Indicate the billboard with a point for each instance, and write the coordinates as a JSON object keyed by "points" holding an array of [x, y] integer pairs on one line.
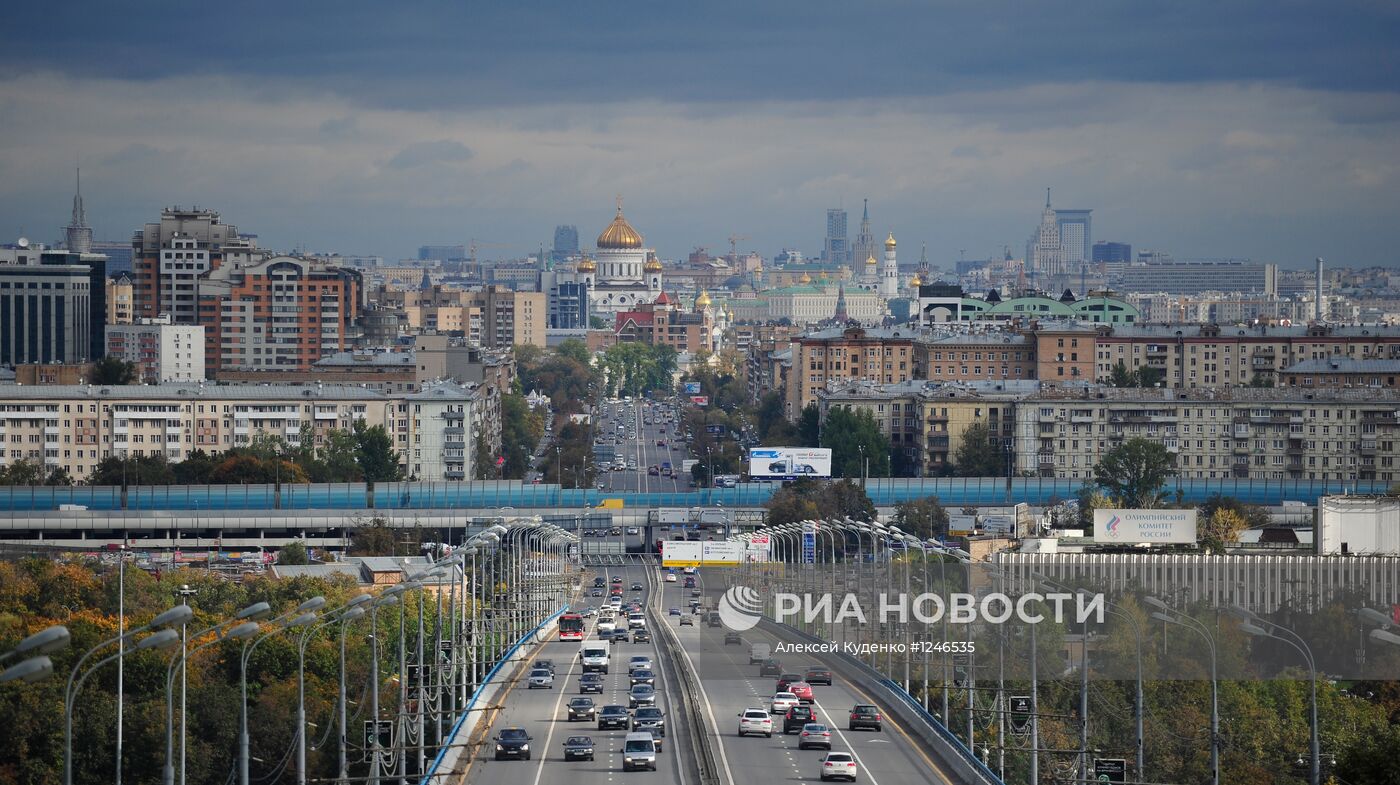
{"points": [[700, 400], [789, 462], [1150, 527], [759, 548], [688, 553], [692, 388]]}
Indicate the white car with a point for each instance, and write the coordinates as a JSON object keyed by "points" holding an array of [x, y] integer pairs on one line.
{"points": [[755, 721], [839, 765], [633, 530], [606, 625], [541, 677], [781, 702], [636, 621], [670, 577], [639, 662]]}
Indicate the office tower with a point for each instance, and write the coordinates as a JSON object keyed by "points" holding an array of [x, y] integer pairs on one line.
{"points": [[837, 249], [53, 306], [78, 233], [169, 257], [1076, 243], [441, 253], [1105, 251], [864, 248], [565, 243]]}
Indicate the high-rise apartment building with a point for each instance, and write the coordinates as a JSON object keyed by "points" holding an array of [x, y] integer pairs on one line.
{"points": [[53, 306], [509, 317], [119, 304], [277, 313], [162, 352], [842, 355], [170, 256], [837, 249]]}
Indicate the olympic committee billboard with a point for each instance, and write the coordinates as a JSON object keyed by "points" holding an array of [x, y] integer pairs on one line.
{"points": [[1145, 527], [787, 463]]}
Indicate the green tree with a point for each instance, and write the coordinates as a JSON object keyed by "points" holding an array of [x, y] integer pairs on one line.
{"points": [[1120, 376], [810, 499], [858, 448], [1254, 516], [195, 469], [374, 451], [575, 350], [132, 470], [373, 538], [22, 472], [113, 370], [293, 553], [978, 455], [1135, 472], [924, 518], [809, 426], [338, 458]]}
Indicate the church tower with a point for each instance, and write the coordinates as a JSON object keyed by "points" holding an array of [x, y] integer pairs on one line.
{"points": [[653, 273], [889, 272], [865, 242], [841, 315], [78, 233]]}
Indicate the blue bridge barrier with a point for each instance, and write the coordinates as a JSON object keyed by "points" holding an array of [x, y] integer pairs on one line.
{"points": [[505, 495]]}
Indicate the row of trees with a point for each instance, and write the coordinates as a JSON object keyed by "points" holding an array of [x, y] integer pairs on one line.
{"points": [[634, 369]]}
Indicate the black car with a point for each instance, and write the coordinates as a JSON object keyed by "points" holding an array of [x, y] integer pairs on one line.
{"points": [[512, 743], [599, 582], [796, 717], [591, 682], [786, 679], [816, 675], [864, 715], [733, 637], [640, 635], [715, 620], [578, 748], [636, 585], [582, 709], [614, 717], [619, 635], [770, 667], [650, 718], [549, 664], [643, 676]]}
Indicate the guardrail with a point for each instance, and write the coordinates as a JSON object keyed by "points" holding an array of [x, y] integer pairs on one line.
{"points": [[707, 769], [447, 756], [906, 708]]}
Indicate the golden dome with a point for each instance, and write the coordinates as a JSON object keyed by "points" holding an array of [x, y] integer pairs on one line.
{"points": [[870, 261], [703, 301], [619, 234], [586, 265], [805, 279], [916, 280], [823, 275], [653, 265], [889, 242]]}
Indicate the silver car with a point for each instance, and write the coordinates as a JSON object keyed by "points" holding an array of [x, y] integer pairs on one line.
{"points": [[541, 677], [641, 695]]}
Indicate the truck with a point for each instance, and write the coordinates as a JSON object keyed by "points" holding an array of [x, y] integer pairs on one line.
{"points": [[759, 652]]}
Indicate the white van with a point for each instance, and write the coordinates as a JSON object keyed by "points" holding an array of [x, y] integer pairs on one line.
{"points": [[759, 652], [638, 752], [595, 657]]}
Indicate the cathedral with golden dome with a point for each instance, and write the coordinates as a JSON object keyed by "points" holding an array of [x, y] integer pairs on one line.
{"points": [[622, 273]]}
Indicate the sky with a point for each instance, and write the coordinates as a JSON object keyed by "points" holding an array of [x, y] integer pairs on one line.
{"points": [[1267, 130]]}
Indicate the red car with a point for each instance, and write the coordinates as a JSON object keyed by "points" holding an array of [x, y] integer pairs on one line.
{"points": [[802, 690]]}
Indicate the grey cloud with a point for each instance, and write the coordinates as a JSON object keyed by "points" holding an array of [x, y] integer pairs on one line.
{"points": [[422, 153]]}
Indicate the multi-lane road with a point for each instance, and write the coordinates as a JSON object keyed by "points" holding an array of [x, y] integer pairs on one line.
{"points": [[635, 430], [729, 685]]}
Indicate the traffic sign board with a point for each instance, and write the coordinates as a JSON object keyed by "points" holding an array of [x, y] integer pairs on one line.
{"points": [[1110, 770]]}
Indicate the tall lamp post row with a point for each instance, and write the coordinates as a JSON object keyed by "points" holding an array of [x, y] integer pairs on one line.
{"points": [[530, 557]]}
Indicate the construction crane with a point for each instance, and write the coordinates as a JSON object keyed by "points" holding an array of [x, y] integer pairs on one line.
{"points": [[734, 247]]}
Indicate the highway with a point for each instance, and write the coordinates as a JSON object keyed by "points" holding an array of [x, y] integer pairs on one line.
{"points": [[888, 757], [643, 425], [542, 712]]}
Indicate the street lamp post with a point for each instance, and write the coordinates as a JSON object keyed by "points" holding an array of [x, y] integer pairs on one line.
{"points": [[300, 616], [1171, 616], [239, 632], [1254, 625]]}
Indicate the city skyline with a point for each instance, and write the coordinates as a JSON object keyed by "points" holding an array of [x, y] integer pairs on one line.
{"points": [[1279, 148]]}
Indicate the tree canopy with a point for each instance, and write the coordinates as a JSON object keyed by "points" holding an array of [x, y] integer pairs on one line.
{"points": [[809, 499], [977, 455], [1135, 472], [858, 448], [113, 370]]}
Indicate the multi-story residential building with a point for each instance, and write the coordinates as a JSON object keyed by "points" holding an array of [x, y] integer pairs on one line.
{"points": [[926, 420], [1341, 372], [76, 426], [385, 371], [170, 256], [120, 306], [759, 343], [972, 357], [280, 313], [442, 357], [161, 351], [510, 317], [1064, 352], [666, 322], [846, 354], [53, 306], [1216, 433], [1210, 355]]}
